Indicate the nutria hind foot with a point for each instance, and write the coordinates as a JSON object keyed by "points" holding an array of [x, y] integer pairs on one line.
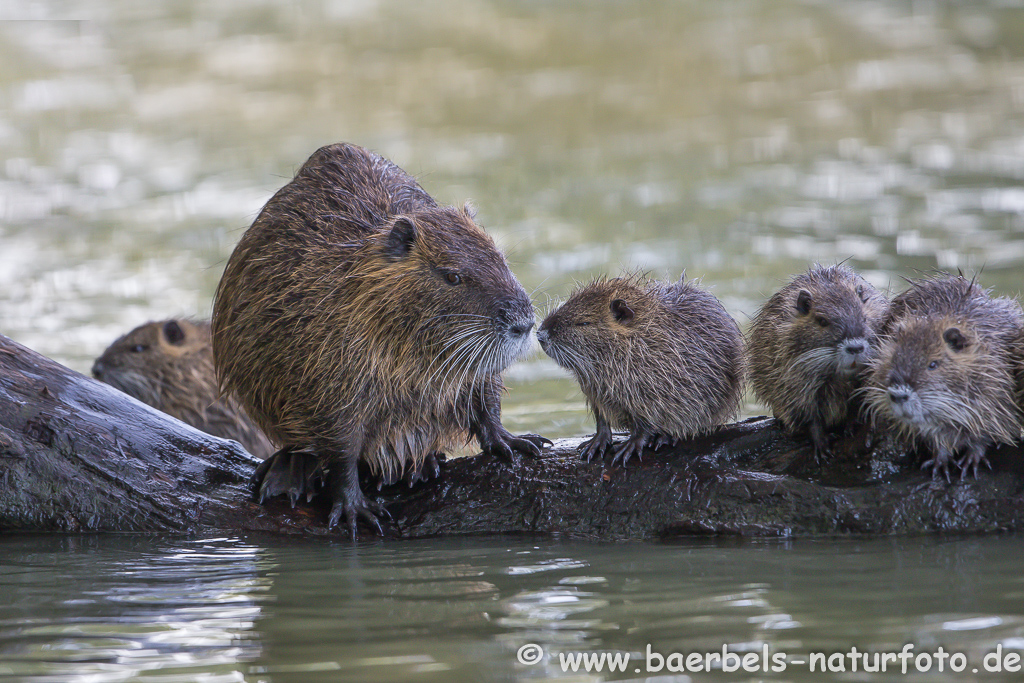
{"points": [[288, 471], [348, 501]]}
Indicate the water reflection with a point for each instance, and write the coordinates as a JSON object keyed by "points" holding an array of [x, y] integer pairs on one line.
{"points": [[86, 609], [281, 610]]}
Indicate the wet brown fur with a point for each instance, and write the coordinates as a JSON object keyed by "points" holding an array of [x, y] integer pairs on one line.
{"points": [[337, 324], [169, 366], [798, 362], [948, 354], [671, 368]]}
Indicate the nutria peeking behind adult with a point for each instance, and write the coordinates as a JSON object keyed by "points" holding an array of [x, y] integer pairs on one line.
{"points": [[357, 319], [169, 365], [945, 373], [808, 346], [663, 360]]}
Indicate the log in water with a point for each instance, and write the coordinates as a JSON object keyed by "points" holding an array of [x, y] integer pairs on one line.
{"points": [[77, 455]]}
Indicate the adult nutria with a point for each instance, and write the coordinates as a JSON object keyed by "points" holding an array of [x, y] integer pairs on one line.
{"points": [[664, 361], [808, 345], [169, 365], [358, 320], [944, 374]]}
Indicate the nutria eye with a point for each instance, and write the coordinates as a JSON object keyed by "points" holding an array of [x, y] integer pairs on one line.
{"points": [[582, 324], [138, 348], [934, 364], [823, 321], [452, 278]]}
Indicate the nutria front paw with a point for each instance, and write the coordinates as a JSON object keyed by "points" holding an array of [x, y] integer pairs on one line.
{"points": [[819, 442], [504, 443], [971, 461], [595, 446], [939, 464], [369, 511], [634, 445]]}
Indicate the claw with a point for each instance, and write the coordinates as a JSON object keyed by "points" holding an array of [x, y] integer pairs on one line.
{"points": [[429, 469], [595, 446], [525, 446], [289, 472], [661, 440], [504, 443], [937, 465], [971, 461], [537, 440], [633, 445], [819, 441], [367, 510]]}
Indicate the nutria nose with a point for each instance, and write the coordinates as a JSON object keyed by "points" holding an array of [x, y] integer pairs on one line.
{"points": [[543, 336], [97, 369], [855, 347], [898, 395], [520, 329]]}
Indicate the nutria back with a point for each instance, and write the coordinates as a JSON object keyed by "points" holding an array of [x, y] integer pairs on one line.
{"points": [[809, 344], [946, 374], [169, 366], [649, 354], [357, 314]]}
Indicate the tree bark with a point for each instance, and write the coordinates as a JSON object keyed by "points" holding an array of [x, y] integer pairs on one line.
{"points": [[77, 455]]}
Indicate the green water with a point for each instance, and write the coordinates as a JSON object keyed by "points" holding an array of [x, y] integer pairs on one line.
{"points": [[739, 141]]}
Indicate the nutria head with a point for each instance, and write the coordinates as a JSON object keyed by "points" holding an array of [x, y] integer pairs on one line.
{"points": [[151, 360], [599, 324], [442, 290], [937, 378], [827, 321]]}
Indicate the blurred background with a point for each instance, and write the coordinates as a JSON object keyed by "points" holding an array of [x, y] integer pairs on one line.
{"points": [[739, 141]]}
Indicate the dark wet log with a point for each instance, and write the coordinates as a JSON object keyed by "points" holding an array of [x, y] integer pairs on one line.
{"points": [[77, 455]]}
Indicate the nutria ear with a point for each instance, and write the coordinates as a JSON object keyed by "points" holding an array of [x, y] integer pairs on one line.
{"points": [[400, 239], [863, 294], [956, 340], [622, 312], [803, 302], [173, 332]]}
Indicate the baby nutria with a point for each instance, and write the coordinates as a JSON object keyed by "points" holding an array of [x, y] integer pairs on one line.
{"points": [[808, 346], [664, 361], [358, 320], [169, 365], [944, 374]]}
